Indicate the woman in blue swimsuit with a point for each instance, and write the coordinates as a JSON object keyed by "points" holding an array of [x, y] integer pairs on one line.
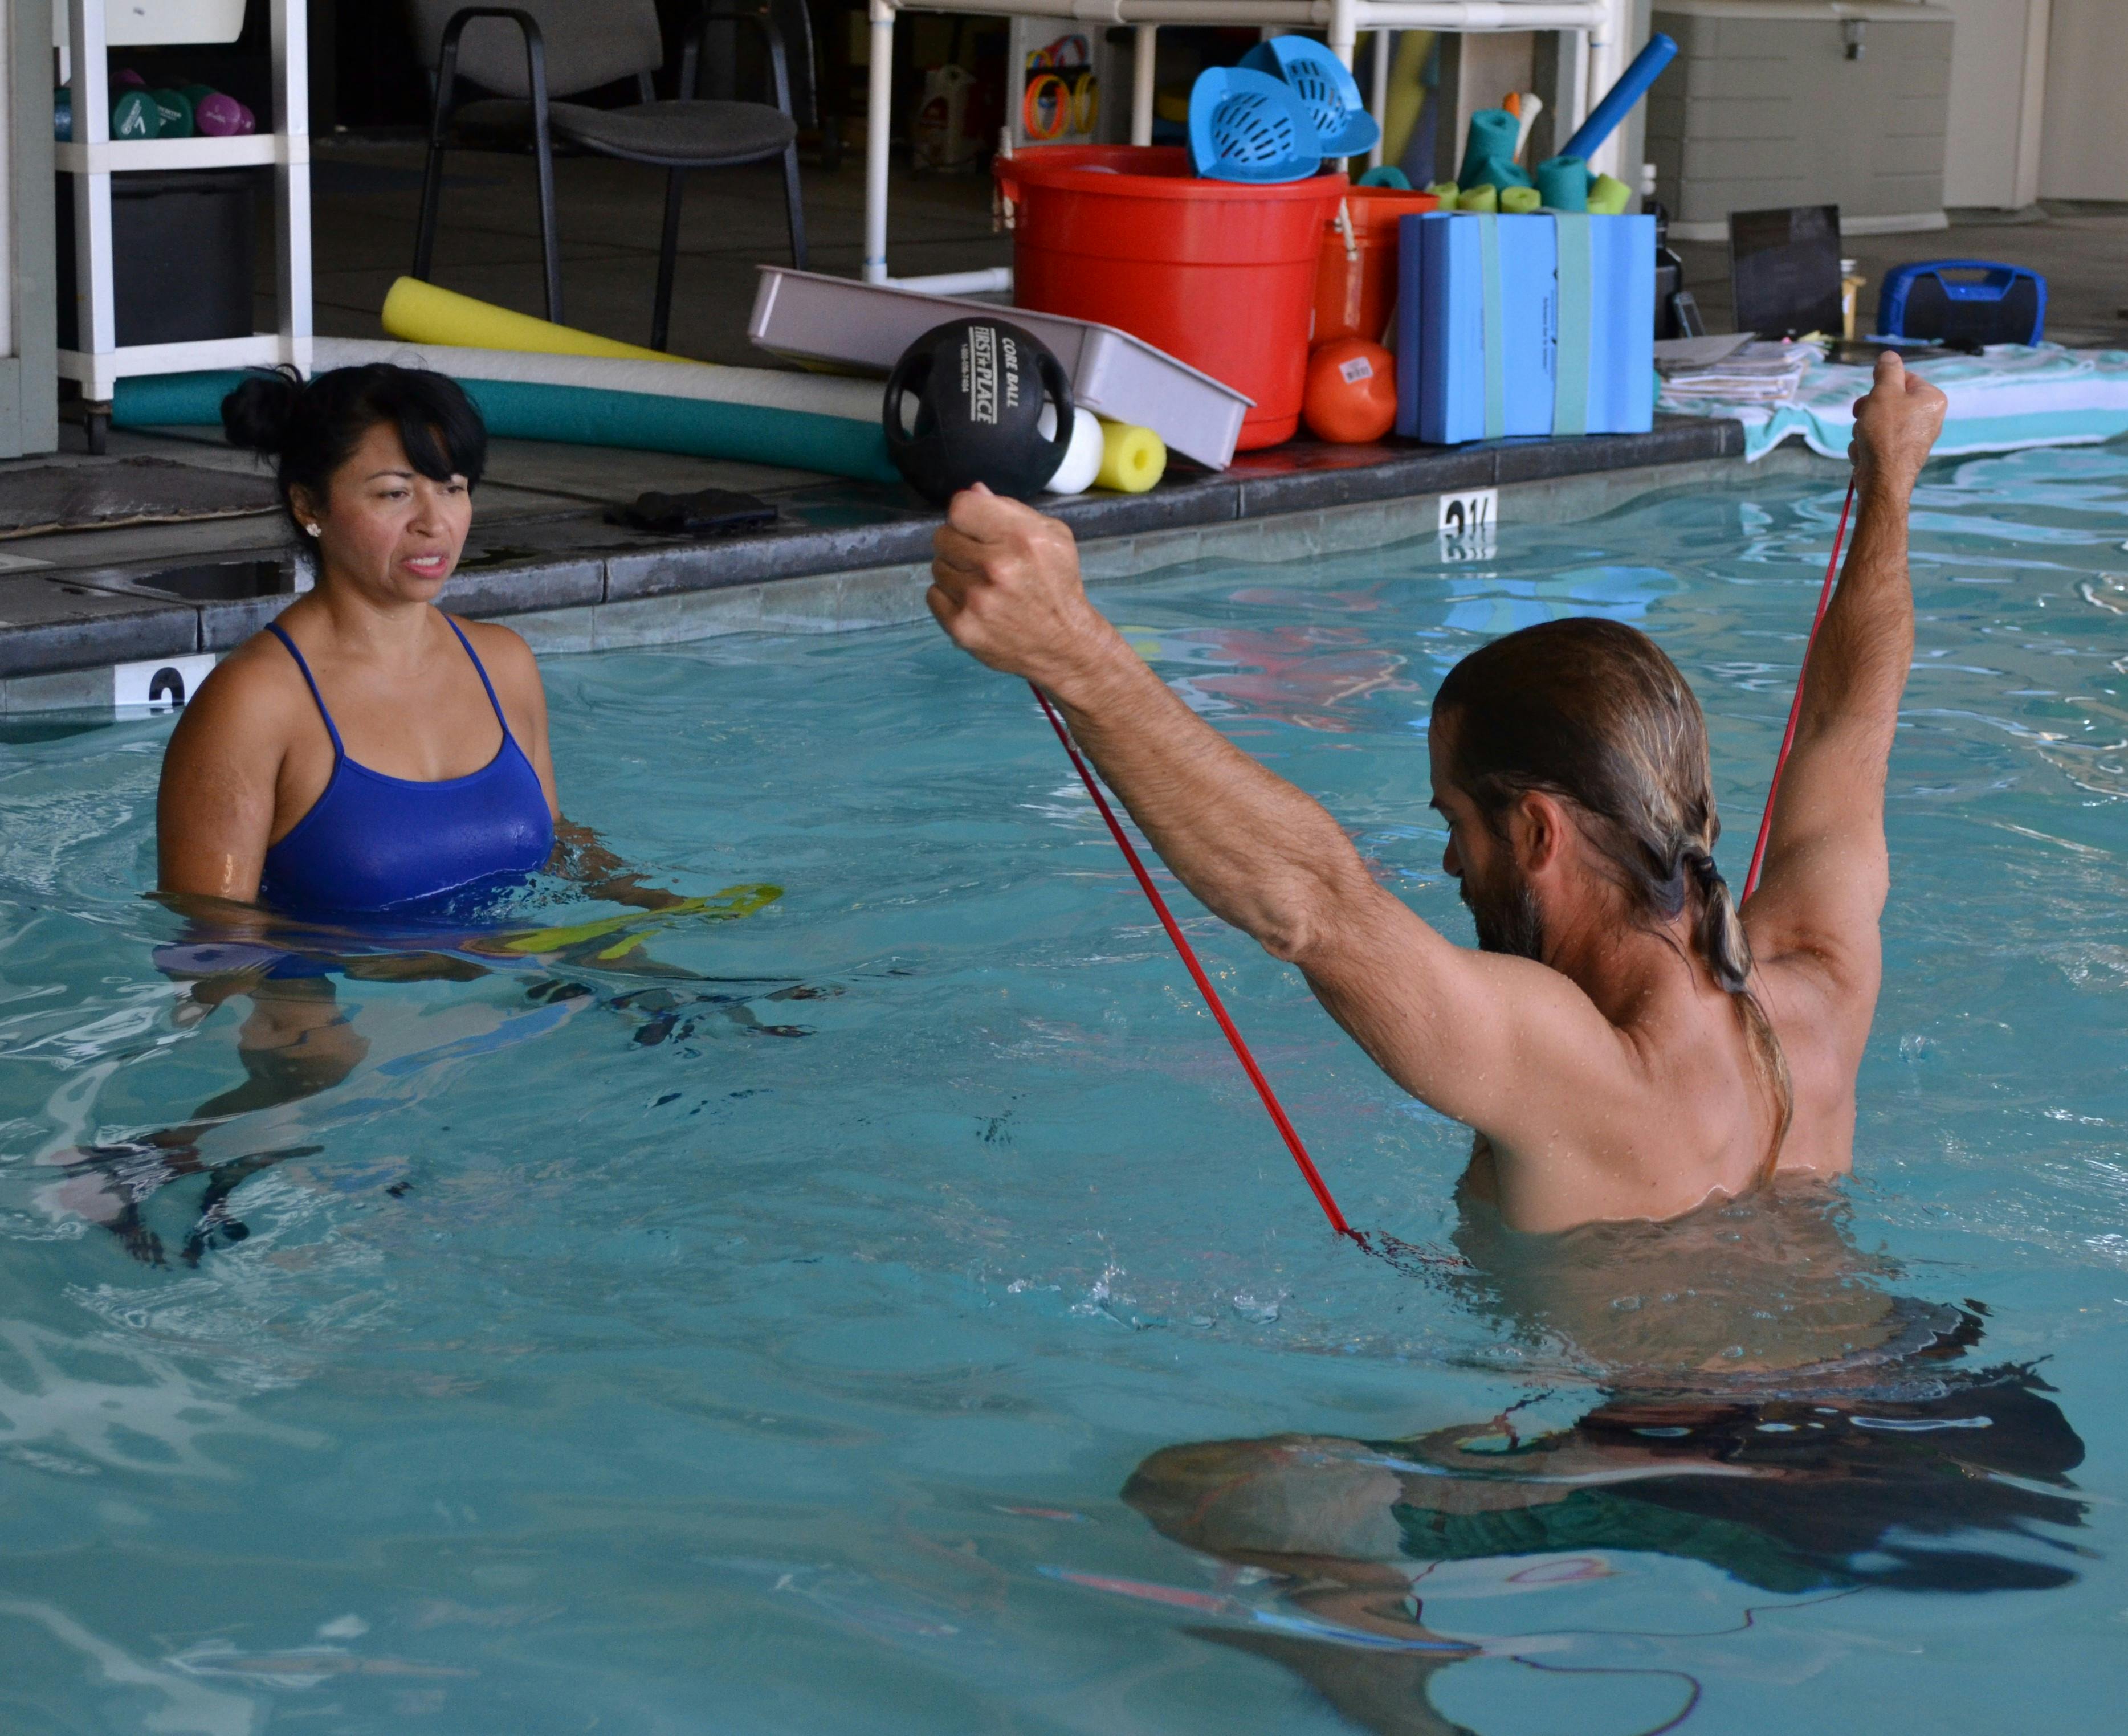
{"points": [[366, 754]]}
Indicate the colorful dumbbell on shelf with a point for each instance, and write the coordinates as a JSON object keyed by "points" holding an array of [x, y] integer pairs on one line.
{"points": [[181, 112], [217, 116]]}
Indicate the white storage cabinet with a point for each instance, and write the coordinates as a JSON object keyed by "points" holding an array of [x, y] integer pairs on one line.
{"points": [[92, 28], [1779, 102]]}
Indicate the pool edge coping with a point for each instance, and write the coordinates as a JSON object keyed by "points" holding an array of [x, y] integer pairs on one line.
{"points": [[1123, 539]]}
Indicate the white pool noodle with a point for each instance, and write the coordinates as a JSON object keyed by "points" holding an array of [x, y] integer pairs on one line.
{"points": [[1532, 106], [765, 388], [1082, 461]]}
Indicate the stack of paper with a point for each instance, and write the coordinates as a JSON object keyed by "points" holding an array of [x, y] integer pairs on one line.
{"points": [[1735, 370]]}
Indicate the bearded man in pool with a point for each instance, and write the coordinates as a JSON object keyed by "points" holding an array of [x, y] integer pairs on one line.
{"points": [[1624, 1043]]}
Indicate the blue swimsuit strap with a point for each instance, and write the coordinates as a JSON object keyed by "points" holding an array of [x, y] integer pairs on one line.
{"points": [[480, 669], [333, 730], [310, 681]]}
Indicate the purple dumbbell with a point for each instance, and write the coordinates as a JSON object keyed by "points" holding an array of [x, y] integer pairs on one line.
{"points": [[219, 116]]}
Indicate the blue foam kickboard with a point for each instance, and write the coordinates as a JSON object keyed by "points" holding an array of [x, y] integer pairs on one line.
{"points": [[1443, 336]]}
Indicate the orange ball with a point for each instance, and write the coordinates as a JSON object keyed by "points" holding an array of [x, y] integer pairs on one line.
{"points": [[1351, 391]]}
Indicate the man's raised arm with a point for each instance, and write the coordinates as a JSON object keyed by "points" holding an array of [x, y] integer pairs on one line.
{"points": [[1257, 851], [1826, 873]]}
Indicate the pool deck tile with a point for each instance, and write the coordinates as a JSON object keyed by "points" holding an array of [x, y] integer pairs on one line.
{"points": [[1194, 497], [513, 590], [48, 624], [224, 626], [559, 631], [580, 533], [1339, 476], [891, 598], [784, 551], [840, 554], [1674, 440], [678, 616], [65, 689], [219, 625]]}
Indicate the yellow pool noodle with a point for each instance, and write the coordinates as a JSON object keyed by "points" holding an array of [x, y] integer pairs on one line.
{"points": [[1133, 459], [1406, 91], [1607, 196], [1484, 197], [421, 313], [623, 933], [1520, 200]]}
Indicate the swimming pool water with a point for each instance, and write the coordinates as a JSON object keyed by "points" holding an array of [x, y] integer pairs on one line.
{"points": [[668, 1358]]}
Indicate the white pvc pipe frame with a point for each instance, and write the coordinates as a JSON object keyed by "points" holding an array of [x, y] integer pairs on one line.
{"points": [[1598, 28], [98, 361]]}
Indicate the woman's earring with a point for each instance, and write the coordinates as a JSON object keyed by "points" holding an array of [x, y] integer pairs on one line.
{"points": [[312, 528]]}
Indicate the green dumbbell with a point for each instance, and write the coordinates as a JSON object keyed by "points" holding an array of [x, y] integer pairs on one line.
{"points": [[175, 109], [137, 115]]}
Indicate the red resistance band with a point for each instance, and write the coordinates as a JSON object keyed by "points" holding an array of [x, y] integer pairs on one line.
{"points": [[1795, 708], [1271, 1103]]}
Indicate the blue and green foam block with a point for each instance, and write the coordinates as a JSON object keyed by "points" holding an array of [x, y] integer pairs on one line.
{"points": [[1537, 325]]}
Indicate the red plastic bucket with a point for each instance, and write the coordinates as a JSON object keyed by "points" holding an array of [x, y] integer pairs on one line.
{"points": [[1356, 291], [1219, 274]]}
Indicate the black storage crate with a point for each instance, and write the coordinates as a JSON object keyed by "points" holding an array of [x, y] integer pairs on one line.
{"points": [[184, 250]]}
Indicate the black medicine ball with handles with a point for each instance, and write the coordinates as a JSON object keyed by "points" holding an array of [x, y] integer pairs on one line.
{"points": [[978, 387]]}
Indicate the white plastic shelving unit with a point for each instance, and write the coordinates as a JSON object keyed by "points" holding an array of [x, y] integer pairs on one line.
{"points": [[1596, 30], [94, 157]]}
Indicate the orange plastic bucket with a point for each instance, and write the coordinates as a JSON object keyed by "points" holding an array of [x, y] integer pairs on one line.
{"points": [[1219, 274], [1356, 287]]}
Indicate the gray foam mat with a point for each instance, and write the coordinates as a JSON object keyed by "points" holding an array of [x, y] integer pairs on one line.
{"points": [[51, 497]]}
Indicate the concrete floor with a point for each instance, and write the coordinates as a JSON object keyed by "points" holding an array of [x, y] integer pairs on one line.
{"points": [[2080, 249], [366, 192]]}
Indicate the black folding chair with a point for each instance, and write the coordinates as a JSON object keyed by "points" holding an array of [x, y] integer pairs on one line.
{"points": [[537, 51]]}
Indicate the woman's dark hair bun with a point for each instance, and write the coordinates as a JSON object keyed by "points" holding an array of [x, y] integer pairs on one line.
{"points": [[256, 415], [310, 429]]}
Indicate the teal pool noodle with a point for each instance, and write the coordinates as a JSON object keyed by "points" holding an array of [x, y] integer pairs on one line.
{"points": [[173, 401], [1489, 151], [1563, 181], [579, 415], [582, 416]]}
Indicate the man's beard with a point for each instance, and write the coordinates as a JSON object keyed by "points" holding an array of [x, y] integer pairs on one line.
{"points": [[1507, 916]]}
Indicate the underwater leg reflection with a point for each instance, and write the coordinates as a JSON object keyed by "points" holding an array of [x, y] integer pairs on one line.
{"points": [[299, 1040], [1802, 1493], [295, 1041]]}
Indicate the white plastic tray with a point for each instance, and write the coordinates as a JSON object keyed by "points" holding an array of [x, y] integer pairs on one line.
{"points": [[812, 318], [137, 23]]}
